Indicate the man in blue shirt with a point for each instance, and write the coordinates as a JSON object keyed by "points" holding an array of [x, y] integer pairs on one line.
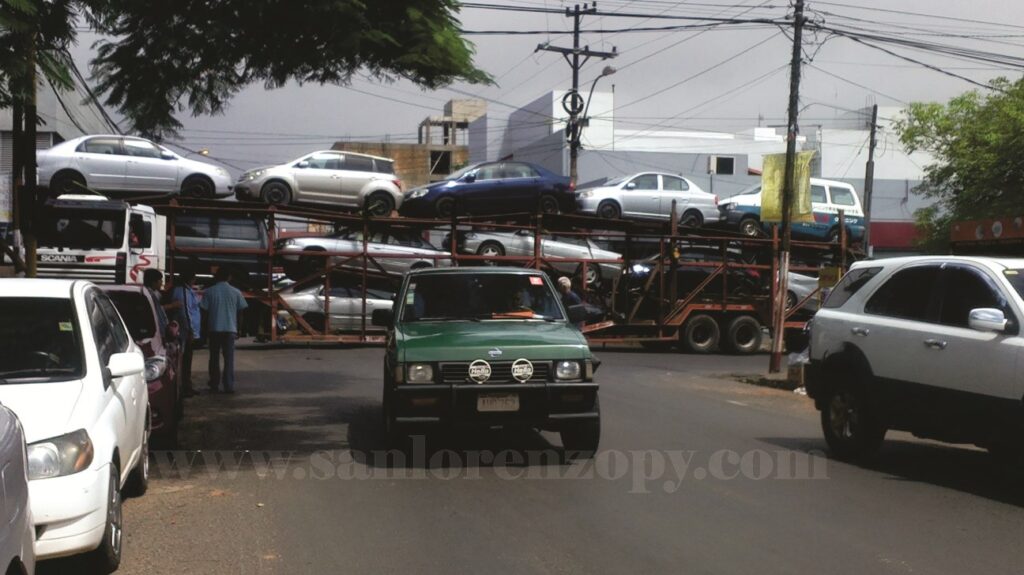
{"points": [[190, 319], [223, 304]]}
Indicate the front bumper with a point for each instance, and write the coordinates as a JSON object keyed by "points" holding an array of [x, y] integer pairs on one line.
{"points": [[70, 512], [244, 191]]}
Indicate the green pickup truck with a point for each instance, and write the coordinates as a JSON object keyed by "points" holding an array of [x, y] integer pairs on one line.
{"points": [[486, 347]]}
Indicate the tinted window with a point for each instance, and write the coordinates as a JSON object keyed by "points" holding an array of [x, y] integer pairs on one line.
{"points": [[818, 195], [141, 232], [674, 184], [101, 146], [907, 294], [192, 226], [646, 182], [238, 229], [82, 228], [117, 330], [384, 166], [101, 331], [137, 312], [358, 163], [843, 197], [39, 339], [967, 289], [849, 285], [141, 149]]}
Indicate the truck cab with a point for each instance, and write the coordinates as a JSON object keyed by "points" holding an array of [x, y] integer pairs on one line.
{"points": [[104, 241]]}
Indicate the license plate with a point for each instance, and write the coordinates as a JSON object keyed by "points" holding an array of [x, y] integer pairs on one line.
{"points": [[495, 402]]}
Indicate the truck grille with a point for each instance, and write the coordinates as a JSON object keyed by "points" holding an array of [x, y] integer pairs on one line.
{"points": [[501, 371]]}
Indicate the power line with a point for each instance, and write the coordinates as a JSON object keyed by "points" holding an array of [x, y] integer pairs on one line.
{"points": [[861, 86]]}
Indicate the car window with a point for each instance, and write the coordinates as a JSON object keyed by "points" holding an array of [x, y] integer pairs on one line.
{"points": [[843, 197], [238, 229], [516, 170], [39, 338], [674, 184], [966, 289], [645, 182], [324, 161], [907, 294], [818, 194], [489, 172], [67, 227], [101, 146], [407, 240], [141, 148], [117, 329], [340, 292], [102, 330], [357, 163], [384, 166], [491, 296], [137, 312], [192, 226], [141, 232], [849, 285]]}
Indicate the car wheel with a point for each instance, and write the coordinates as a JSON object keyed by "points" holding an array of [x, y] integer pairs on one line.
{"points": [[107, 557], [277, 194], [700, 334], [197, 187], [609, 210], [581, 440], [750, 227], [833, 236], [67, 182], [445, 207], [851, 428], [380, 204], [691, 219], [491, 250], [743, 335], [791, 300], [138, 479], [592, 275], [548, 204]]}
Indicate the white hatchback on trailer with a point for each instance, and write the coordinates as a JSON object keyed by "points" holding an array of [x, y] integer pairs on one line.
{"points": [[72, 374]]}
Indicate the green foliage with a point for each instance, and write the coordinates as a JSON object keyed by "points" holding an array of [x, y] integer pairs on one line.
{"points": [[979, 169], [49, 25]]}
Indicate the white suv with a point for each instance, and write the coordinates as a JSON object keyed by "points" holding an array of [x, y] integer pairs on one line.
{"points": [[930, 345], [72, 374]]}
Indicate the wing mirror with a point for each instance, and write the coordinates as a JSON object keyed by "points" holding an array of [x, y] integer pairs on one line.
{"points": [[630, 186], [987, 319], [122, 364], [384, 317], [577, 313], [167, 155], [303, 164]]}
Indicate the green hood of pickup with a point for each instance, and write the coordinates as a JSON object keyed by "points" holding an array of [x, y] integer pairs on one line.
{"points": [[466, 341]]}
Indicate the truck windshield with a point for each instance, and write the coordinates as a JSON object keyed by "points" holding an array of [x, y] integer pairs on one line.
{"points": [[99, 229], [475, 297], [38, 340]]}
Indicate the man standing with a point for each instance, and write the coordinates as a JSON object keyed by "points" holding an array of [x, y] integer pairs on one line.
{"points": [[223, 303], [190, 320]]}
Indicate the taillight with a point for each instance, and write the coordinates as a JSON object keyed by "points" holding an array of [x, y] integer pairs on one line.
{"points": [[716, 199], [572, 186], [398, 183]]}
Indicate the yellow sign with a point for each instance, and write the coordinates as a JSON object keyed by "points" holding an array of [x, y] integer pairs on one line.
{"points": [[772, 176]]}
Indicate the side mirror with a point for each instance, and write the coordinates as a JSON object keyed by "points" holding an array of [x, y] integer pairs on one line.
{"points": [[122, 364], [469, 178], [987, 319], [630, 186], [577, 313], [173, 330], [303, 164], [384, 317], [167, 155]]}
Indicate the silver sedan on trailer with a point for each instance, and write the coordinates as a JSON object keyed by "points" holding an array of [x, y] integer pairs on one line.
{"points": [[396, 251], [346, 306], [520, 243], [649, 196]]}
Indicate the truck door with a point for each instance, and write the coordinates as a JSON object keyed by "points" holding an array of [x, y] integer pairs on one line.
{"points": [[142, 253]]}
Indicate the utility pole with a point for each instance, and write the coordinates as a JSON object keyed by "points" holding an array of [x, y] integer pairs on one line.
{"points": [[779, 305], [573, 102], [869, 180], [28, 207]]}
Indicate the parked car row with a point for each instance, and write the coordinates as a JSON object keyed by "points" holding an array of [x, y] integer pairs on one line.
{"points": [[90, 378]]}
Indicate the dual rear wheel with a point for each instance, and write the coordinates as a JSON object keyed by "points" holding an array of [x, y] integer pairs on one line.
{"points": [[702, 333]]}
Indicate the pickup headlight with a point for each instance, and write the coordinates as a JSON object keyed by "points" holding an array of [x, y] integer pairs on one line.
{"points": [[419, 373], [155, 367], [60, 456], [417, 193], [567, 370]]}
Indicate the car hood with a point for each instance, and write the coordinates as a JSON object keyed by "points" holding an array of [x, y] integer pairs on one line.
{"points": [[466, 340], [45, 409]]}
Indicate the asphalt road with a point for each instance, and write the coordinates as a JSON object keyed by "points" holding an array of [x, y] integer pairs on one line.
{"points": [[697, 473]]}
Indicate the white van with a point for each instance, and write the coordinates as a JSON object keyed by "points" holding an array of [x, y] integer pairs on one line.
{"points": [[828, 197]]}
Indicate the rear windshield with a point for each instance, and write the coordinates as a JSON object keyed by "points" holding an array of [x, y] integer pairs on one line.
{"points": [[385, 166], [849, 285], [82, 229], [39, 340], [136, 311], [451, 297]]}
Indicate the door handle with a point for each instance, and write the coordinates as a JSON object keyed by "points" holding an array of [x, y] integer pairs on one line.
{"points": [[861, 331], [935, 344]]}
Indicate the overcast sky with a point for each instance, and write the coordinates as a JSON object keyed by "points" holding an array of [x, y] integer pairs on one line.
{"points": [[728, 97]]}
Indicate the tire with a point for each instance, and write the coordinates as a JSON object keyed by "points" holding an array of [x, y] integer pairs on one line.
{"points": [[609, 210], [700, 334], [379, 204], [833, 236], [444, 207], [750, 227], [138, 479], [852, 430], [548, 204], [107, 557], [592, 275], [581, 440], [791, 300], [276, 194], [67, 182], [490, 249], [743, 335], [198, 187], [691, 219]]}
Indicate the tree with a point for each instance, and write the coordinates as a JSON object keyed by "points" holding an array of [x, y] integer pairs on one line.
{"points": [[979, 168]]}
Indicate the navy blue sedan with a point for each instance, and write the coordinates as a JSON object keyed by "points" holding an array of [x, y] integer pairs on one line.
{"points": [[492, 188]]}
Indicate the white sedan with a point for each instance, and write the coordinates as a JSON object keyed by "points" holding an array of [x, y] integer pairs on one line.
{"points": [[17, 537], [125, 165], [71, 372]]}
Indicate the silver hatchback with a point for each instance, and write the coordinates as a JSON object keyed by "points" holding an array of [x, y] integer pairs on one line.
{"points": [[649, 196], [332, 177]]}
